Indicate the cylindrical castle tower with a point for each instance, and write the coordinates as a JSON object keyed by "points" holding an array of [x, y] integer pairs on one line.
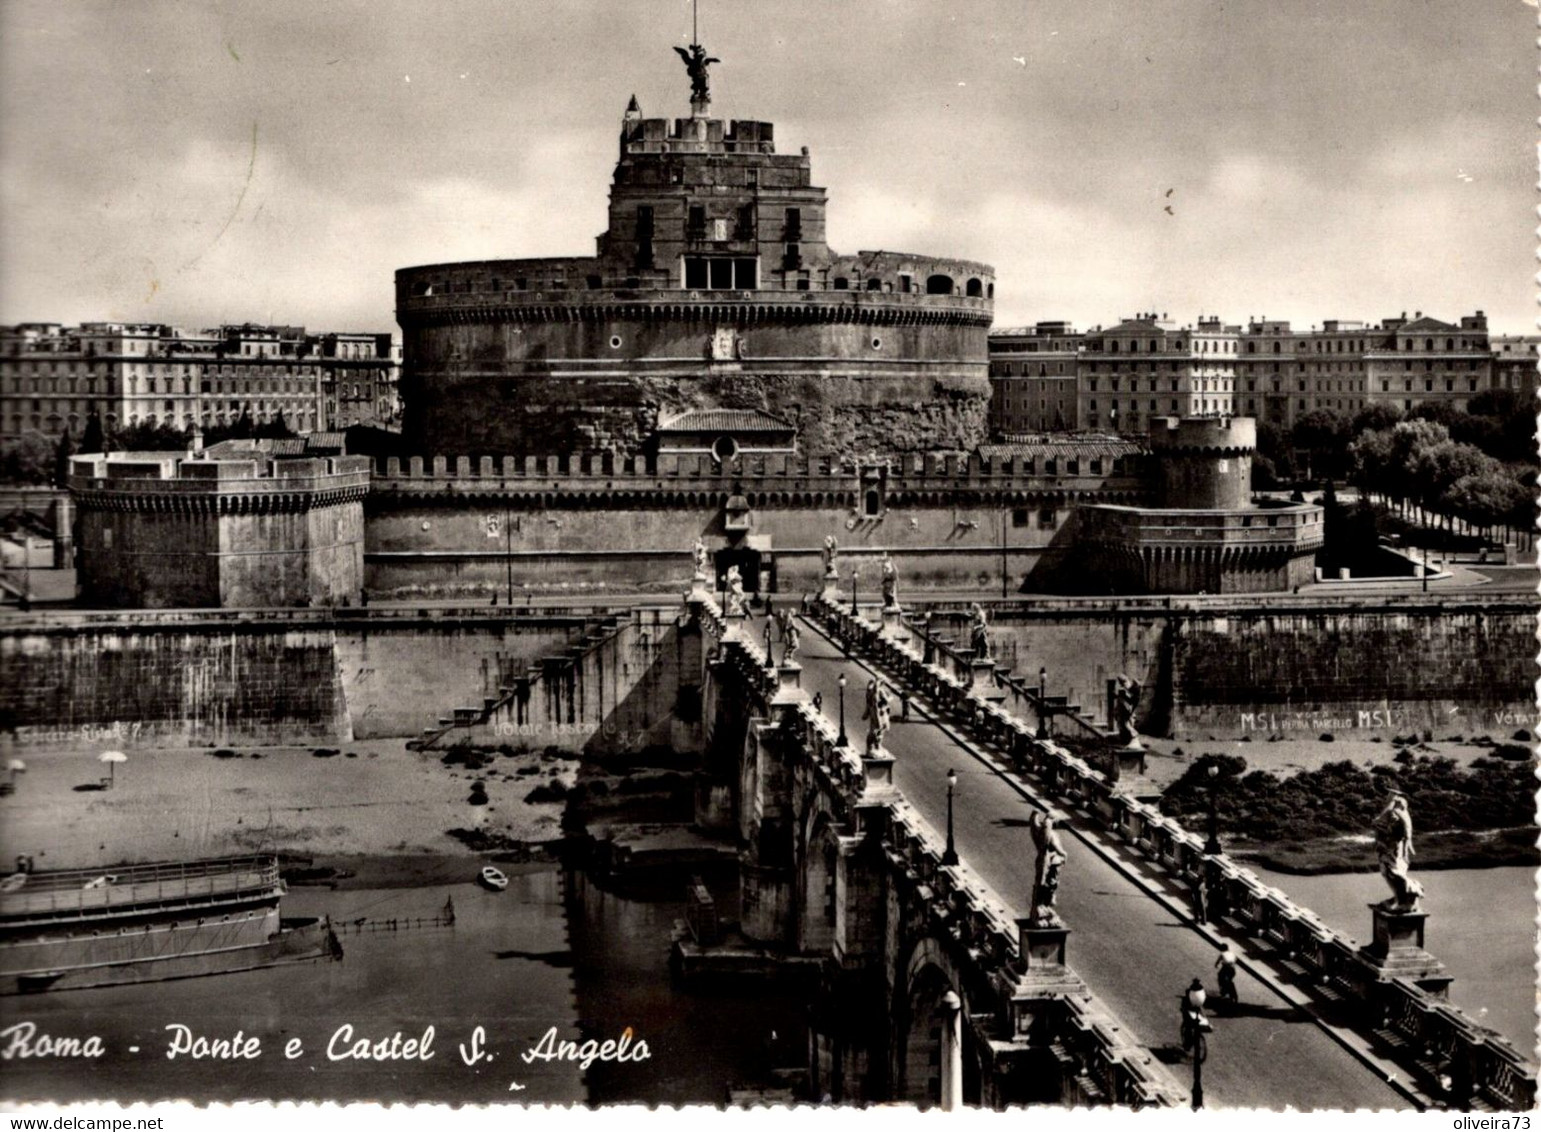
{"points": [[713, 286], [1204, 462]]}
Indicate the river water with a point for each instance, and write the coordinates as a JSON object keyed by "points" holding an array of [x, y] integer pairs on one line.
{"points": [[509, 964], [1482, 926]]}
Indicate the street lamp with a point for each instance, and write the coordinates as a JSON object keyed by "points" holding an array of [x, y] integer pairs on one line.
{"points": [[855, 609], [1195, 1000], [950, 857], [842, 741], [1212, 845], [1045, 717]]}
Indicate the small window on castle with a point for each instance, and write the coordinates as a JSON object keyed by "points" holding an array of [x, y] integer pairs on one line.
{"points": [[874, 284], [794, 229], [804, 283], [521, 284], [990, 291], [695, 273], [722, 274], [906, 283], [1047, 517], [695, 223], [746, 274], [975, 289], [594, 282], [841, 283]]}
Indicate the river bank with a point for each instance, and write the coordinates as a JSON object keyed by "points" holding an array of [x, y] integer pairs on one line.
{"points": [[374, 800]]}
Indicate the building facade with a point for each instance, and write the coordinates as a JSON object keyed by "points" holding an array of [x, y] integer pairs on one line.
{"points": [[712, 287], [54, 377], [1148, 367], [1033, 375]]}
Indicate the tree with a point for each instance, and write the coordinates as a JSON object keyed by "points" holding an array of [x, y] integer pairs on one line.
{"points": [[1438, 467], [1484, 498], [144, 437], [94, 439], [62, 453], [1375, 418], [1276, 453], [27, 459], [1324, 435]]}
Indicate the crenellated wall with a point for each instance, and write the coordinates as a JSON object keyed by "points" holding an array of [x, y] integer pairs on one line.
{"points": [[629, 525]]}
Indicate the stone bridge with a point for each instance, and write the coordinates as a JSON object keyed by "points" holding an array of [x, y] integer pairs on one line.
{"points": [[932, 985]]}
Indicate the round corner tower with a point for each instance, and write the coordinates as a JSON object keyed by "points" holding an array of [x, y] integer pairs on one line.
{"points": [[712, 287], [1204, 463]]}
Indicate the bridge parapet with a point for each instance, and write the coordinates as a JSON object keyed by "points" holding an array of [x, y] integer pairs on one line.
{"points": [[839, 866], [1458, 1062]]}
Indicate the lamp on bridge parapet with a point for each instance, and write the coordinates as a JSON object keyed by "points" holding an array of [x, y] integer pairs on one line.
{"points": [[1196, 1024], [1212, 843], [855, 609], [842, 741], [1045, 717], [950, 857]]}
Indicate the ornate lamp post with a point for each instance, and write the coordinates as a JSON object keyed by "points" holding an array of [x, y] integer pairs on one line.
{"points": [[855, 609], [1045, 717], [842, 741], [1212, 845], [950, 857], [1195, 999]]}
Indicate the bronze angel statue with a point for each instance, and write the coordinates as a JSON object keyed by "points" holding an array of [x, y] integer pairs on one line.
{"points": [[696, 62]]}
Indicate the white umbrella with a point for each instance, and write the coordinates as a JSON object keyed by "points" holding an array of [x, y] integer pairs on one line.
{"points": [[112, 758]]}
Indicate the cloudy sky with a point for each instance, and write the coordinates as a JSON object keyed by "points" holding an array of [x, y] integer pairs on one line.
{"points": [[190, 161]]}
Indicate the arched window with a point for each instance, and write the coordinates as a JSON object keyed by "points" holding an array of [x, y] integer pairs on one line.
{"points": [[990, 291], [939, 285], [974, 289], [874, 284], [842, 283]]}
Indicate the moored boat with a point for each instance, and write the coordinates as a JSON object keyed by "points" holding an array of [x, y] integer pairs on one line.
{"points": [[77, 928]]}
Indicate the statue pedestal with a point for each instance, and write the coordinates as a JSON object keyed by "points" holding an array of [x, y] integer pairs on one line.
{"points": [[893, 622], [1397, 952], [1045, 978], [789, 678], [982, 679], [829, 589], [1126, 769]]}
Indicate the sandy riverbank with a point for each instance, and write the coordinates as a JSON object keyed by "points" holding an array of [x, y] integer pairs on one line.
{"points": [[372, 799]]}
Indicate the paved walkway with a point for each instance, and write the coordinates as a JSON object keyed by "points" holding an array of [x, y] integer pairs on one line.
{"points": [[1130, 950]]}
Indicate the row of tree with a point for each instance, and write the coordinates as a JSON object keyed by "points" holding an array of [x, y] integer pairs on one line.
{"points": [[1478, 465], [34, 458], [1501, 423]]}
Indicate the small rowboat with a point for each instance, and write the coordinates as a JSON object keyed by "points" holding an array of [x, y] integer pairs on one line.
{"points": [[493, 879]]}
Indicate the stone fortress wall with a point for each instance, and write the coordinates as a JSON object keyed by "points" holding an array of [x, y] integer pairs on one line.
{"points": [[607, 523]]}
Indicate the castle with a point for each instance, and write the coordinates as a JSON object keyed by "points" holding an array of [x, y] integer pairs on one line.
{"points": [[712, 288], [717, 372]]}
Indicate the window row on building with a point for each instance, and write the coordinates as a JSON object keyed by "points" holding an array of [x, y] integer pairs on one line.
{"points": [[1050, 377], [54, 377]]}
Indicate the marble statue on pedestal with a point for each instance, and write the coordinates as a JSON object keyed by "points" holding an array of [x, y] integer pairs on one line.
{"points": [[979, 633], [1051, 858], [878, 714], [890, 583], [831, 554], [1394, 847], [1126, 697], [700, 560], [736, 598]]}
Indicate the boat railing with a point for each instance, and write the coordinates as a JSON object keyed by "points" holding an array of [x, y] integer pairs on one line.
{"points": [[125, 888]]}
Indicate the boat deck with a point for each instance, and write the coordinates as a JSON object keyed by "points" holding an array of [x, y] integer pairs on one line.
{"points": [[133, 890]]}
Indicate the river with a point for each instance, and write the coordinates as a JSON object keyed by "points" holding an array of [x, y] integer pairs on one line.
{"points": [[1482, 926], [510, 964]]}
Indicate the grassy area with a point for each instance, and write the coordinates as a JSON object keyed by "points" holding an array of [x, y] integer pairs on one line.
{"points": [[1321, 820], [1447, 849]]}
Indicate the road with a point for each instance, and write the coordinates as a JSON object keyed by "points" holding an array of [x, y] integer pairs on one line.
{"points": [[1130, 950]]}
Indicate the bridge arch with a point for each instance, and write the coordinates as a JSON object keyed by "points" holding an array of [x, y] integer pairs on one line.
{"points": [[819, 856], [924, 1014]]}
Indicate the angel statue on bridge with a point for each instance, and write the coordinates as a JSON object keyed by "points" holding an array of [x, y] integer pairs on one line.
{"points": [[700, 559], [1051, 858], [979, 633], [878, 714], [1126, 697], [890, 583], [736, 599], [831, 553], [791, 637], [1394, 847]]}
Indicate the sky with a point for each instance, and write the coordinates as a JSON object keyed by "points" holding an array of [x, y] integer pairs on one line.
{"points": [[203, 161]]}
